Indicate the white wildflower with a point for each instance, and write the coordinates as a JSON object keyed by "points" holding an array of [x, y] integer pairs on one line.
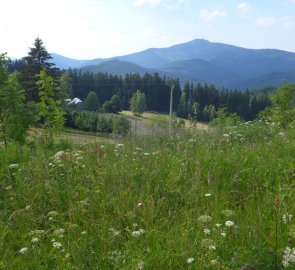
{"points": [[207, 231], [208, 194], [229, 223], [190, 260], [204, 218], [119, 145], [35, 240], [84, 232], [218, 225], [140, 265], [13, 166], [223, 234], [212, 247], [23, 250], [57, 245], [135, 234], [288, 257], [287, 218], [59, 154]]}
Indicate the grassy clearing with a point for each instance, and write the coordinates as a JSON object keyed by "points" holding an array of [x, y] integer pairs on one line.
{"points": [[155, 124], [212, 200]]}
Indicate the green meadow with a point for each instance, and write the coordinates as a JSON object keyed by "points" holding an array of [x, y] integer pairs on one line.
{"points": [[221, 198]]}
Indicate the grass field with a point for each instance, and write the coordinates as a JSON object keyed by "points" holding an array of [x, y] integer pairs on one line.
{"points": [[218, 199]]}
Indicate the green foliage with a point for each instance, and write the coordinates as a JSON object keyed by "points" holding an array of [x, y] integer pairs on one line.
{"points": [[15, 116], [223, 119], [64, 88], [51, 115], [182, 110], [91, 103], [121, 125], [113, 105], [138, 103], [283, 109]]}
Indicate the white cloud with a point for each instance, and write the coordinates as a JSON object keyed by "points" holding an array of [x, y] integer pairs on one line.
{"points": [[139, 3], [243, 7], [283, 21], [208, 16], [266, 21]]}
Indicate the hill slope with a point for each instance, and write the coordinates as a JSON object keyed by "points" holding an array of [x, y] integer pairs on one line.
{"points": [[200, 61]]}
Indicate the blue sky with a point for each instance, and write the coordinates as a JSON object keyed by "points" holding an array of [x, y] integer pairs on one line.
{"points": [[87, 29]]}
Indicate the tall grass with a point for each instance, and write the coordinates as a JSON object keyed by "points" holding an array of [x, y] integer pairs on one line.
{"points": [[211, 200]]}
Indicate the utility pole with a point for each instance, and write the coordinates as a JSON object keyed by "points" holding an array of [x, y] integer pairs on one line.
{"points": [[171, 108]]}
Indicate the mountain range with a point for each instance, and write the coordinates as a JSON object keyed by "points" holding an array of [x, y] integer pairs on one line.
{"points": [[199, 61]]}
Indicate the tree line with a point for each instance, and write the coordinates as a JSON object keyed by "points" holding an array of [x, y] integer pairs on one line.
{"points": [[198, 101]]}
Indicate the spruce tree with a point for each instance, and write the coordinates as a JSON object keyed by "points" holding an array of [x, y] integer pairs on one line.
{"points": [[37, 59]]}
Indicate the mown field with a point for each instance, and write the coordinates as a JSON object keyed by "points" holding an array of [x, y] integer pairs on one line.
{"points": [[218, 199]]}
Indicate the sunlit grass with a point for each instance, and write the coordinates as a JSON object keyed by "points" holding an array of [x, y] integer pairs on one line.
{"points": [[212, 200]]}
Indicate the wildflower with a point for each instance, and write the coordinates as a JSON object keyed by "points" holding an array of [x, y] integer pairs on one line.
{"points": [[146, 154], [218, 225], [114, 231], [140, 265], [287, 218], [229, 223], [59, 155], [23, 250], [204, 218], [139, 204], [207, 231], [13, 166], [57, 245], [119, 145], [207, 194], [52, 213], [226, 135], [207, 243], [138, 233], [223, 234], [50, 218], [212, 247], [84, 232], [190, 260], [28, 207], [135, 234], [227, 213], [58, 233], [35, 240]]}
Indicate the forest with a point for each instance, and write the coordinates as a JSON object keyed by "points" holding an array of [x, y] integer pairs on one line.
{"points": [[200, 101]]}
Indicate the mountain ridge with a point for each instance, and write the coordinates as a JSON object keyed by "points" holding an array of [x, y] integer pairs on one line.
{"points": [[200, 60]]}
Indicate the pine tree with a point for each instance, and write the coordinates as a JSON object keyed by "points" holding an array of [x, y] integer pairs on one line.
{"points": [[37, 59]]}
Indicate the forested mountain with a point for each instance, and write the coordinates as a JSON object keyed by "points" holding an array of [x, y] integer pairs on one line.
{"points": [[202, 61], [63, 62]]}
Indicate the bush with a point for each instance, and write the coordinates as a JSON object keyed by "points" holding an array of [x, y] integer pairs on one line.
{"points": [[121, 125]]}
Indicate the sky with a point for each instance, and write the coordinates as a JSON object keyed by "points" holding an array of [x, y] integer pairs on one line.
{"points": [[88, 29]]}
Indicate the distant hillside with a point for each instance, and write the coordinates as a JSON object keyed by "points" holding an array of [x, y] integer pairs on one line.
{"points": [[63, 62], [200, 61], [117, 67]]}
